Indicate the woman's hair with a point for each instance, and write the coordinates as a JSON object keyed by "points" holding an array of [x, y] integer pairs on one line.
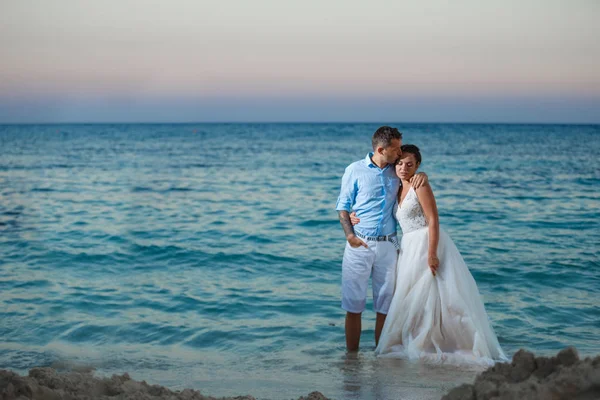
{"points": [[412, 149]]}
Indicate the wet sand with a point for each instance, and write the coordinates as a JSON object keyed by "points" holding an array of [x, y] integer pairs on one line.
{"points": [[49, 384]]}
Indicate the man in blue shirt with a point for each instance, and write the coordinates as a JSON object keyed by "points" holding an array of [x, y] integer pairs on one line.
{"points": [[370, 188]]}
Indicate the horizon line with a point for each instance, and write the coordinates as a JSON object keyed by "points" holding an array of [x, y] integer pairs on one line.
{"points": [[296, 122]]}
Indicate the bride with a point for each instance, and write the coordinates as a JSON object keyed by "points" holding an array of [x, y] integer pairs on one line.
{"points": [[436, 314]]}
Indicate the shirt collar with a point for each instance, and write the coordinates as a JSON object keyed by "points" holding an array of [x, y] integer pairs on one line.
{"points": [[370, 163]]}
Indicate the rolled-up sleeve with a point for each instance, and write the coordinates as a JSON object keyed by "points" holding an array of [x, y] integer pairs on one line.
{"points": [[348, 191]]}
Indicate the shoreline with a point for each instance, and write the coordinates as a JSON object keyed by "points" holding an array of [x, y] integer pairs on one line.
{"points": [[564, 376], [46, 383]]}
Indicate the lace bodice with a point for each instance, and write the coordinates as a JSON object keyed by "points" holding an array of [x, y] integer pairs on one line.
{"points": [[410, 213]]}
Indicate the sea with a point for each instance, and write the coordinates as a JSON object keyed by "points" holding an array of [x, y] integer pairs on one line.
{"points": [[208, 256]]}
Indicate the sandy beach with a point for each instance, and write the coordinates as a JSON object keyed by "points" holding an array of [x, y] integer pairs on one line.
{"points": [[564, 376]]}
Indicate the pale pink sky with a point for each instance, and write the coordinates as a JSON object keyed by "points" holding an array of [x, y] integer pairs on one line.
{"points": [[77, 52]]}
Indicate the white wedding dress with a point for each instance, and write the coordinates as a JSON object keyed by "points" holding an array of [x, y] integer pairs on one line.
{"points": [[440, 318]]}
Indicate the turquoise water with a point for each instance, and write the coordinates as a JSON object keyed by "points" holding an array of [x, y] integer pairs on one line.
{"points": [[209, 255]]}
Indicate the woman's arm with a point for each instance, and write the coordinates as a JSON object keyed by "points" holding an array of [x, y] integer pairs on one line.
{"points": [[427, 200], [353, 218]]}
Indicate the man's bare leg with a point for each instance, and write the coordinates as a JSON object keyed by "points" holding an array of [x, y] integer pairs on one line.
{"points": [[379, 326], [353, 328]]}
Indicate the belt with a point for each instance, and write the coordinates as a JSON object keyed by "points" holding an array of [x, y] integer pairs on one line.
{"points": [[386, 238]]}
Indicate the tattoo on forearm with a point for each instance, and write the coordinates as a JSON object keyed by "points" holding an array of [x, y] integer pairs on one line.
{"points": [[346, 224]]}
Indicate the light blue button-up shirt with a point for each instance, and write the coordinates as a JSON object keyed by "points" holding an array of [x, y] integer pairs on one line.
{"points": [[371, 192]]}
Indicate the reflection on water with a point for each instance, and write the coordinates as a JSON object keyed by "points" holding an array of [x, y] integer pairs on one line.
{"points": [[367, 377]]}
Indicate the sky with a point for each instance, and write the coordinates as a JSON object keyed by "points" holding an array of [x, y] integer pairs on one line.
{"points": [[299, 61]]}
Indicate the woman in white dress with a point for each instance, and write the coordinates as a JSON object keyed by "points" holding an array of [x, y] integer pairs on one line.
{"points": [[437, 313]]}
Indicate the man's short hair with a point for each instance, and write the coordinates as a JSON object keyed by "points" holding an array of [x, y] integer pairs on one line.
{"points": [[383, 136]]}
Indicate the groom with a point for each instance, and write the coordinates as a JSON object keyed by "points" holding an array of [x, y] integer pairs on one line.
{"points": [[370, 188]]}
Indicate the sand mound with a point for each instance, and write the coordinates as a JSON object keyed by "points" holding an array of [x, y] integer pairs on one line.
{"points": [[48, 384], [528, 377]]}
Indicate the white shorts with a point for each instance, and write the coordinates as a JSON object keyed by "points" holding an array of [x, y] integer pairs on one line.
{"points": [[379, 260]]}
